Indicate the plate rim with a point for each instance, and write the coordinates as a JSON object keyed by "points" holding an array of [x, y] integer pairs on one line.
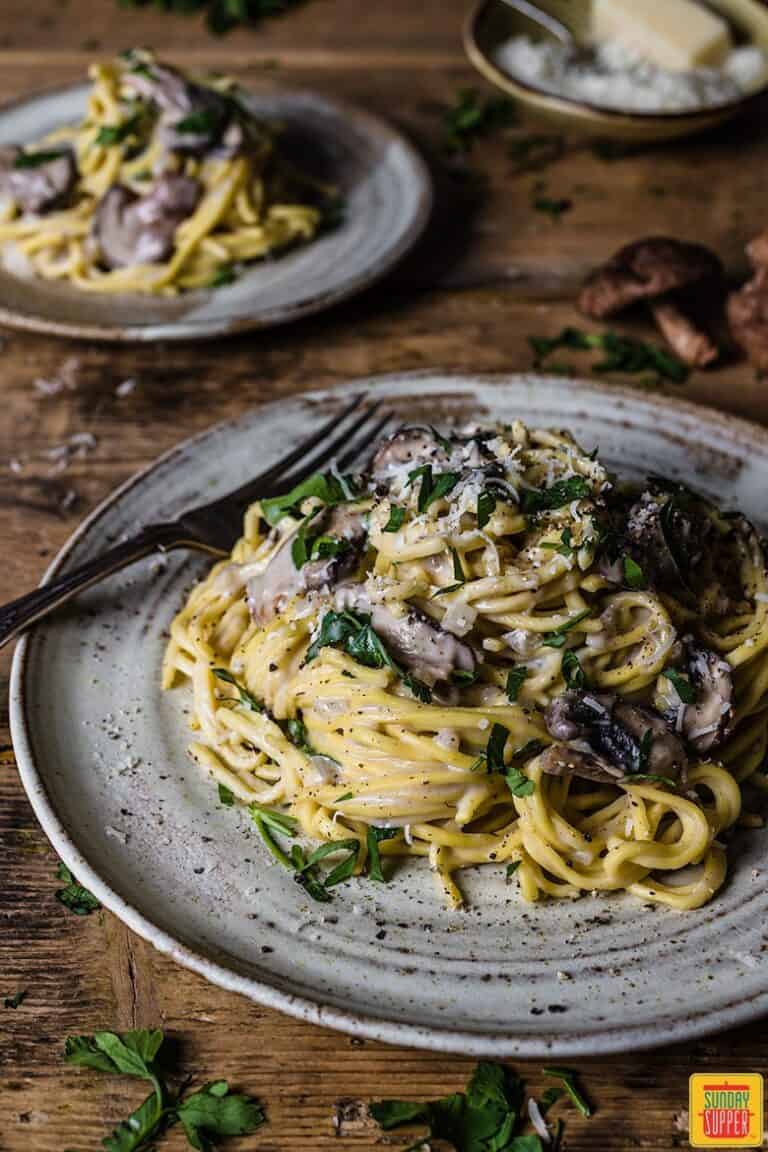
{"points": [[176, 331], [259, 989]]}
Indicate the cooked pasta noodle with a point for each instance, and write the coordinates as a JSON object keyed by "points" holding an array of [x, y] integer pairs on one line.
{"points": [[483, 651], [166, 185]]}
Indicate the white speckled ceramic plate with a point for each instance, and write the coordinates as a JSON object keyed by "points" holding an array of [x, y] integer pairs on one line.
{"points": [[101, 754], [387, 194]]}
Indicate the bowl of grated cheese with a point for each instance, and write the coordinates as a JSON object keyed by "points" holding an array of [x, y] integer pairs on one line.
{"points": [[609, 87]]}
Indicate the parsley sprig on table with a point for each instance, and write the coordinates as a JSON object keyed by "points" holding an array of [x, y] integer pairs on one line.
{"points": [[221, 15], [211, 1112], [622, 353], [472, 116]]}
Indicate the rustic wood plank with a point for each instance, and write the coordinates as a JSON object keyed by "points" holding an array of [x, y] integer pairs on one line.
{"points": [[491, 273]]}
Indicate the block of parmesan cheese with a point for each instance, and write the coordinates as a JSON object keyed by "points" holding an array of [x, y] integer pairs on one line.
{"points": [[674, 34]]}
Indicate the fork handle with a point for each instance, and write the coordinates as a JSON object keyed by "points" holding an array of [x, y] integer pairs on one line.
{"points": [[19, 614]]}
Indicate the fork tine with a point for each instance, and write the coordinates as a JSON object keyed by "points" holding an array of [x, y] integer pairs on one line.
{"points": [[329, 450], [273, 475], [356, 450]]}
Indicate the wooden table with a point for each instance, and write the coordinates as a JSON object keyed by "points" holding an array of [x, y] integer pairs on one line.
{"points": [[492, 272]]}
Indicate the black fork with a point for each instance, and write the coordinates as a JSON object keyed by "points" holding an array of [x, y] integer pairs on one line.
{"points": [[213, 527]]}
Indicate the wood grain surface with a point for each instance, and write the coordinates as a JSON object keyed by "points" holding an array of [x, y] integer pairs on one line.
{"points": [[491, 272]]}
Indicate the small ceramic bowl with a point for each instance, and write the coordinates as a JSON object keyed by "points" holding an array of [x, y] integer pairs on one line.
{"points": [[491, 22]]}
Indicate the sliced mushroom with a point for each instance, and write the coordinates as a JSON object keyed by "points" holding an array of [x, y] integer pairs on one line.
{"points": [[563, 760], [622, 737], [193, 119], [707, 721], [747, 309], [270, 590], [131, 229], [681, 280], [667, 540], [413, 639], [407, 446], [37, 187]]}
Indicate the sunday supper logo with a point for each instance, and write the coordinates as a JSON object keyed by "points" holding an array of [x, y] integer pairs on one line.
{"points": [[726, 1110]]}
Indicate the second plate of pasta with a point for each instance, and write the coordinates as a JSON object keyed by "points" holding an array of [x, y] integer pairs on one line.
{"points": [[478, 733], [155, 205]]}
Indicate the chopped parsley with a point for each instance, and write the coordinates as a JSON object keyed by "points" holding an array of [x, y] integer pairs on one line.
{"points": [[305, 547], [554, 207], [396, 518], [374, 836], [515, 679], [622, 353], [245, 698], [681, 685], [633, 573], [37, 159], [486, 506], [226, 796], [16, 999], [296, 731], [110, 134], [563, 547], [459, 580], [73, 896], [224, 274], [572, 671], [486, 1117], [351, 632], [305, 867], [471, 116], [563, 492], [346, 796], [203, 122], [557, 638], [511, 868], [568, 1079], [644, 751], [327, 487], [210, 1112], [432, 488], [222, 16], [493, 760]]}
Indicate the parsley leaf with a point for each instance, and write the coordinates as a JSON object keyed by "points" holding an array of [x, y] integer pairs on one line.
{"points": [[221, 15], [326, 487], [511, 868], [374, 836], [568, 1079], [37, 159], [396, 518], [484, 1118], [215, 1111], [564, 547], [110, 134], [226, 796], [246, 699], [211, 1111], [432, 488], [471, 117], [224, 274], [552, 207], [563, 492], [515, 679], [572, 671], [486, 506], [73, 896], [493, 758], [633, 573], [351, 632], [622, 353], [557, 638], [15, 1000], [682, 685], [305, 547]]}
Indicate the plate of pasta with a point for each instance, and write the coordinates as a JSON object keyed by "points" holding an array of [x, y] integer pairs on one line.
{"points": [[463, 747], [152, 204]]}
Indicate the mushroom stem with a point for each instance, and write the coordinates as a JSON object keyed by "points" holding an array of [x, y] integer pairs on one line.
{"points": [[691, 344]]}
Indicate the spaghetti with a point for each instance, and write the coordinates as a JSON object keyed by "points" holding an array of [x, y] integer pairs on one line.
{"points": [[166, 185], [485, 651]]}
